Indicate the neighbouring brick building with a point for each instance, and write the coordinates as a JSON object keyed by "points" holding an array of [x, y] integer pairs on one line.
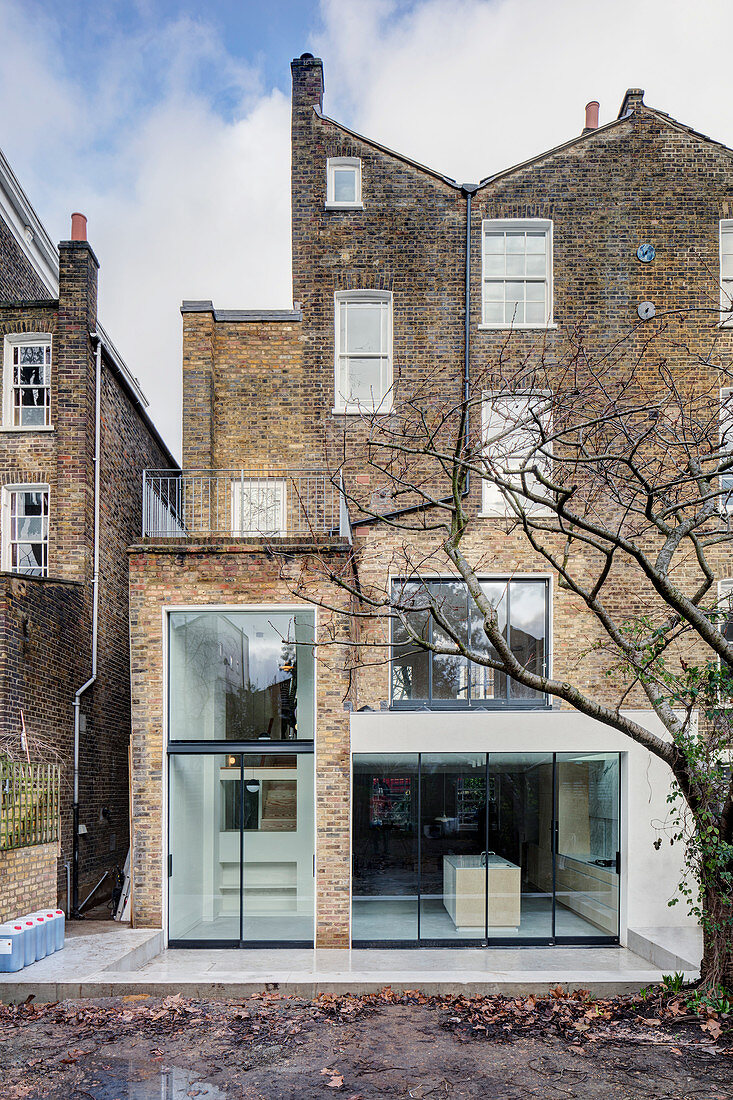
{"points": [[282, 799], [55, 359]]}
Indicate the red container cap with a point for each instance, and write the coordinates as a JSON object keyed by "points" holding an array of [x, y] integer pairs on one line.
{"points": [[59, 912], [29, 923], [18, 927]]}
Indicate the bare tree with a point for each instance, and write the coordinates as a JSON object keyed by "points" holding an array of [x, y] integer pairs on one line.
{"points": [[612, 467]]}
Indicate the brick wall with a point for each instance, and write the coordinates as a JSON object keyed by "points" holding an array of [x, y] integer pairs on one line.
{"points": [[27, 880], [48, 622], [235, 574], [18, 280]]}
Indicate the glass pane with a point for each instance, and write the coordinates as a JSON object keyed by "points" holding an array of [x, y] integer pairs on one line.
{"points": [[453, 834], [28, 557], [587, 881], [536, 242], [493, 243], [242, 676], [385, 848], [363, 327], [494, 313], [527, 630], [514, 292], [494, 263], [494, 292], [514, 313], [344, 184], [515, 241], [535, 292], [450, 674], [204, 886], [519, 845], [515, 264], [362, 382], [535, 313], [410, 664], [536, 265], [32, 353], [487, 683], [277, 876]]}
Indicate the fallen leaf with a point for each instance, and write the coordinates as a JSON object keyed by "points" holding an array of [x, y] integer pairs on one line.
{"points": [[713, 1028], [336, 1082]]}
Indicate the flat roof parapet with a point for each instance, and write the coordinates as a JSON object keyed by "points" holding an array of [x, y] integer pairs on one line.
{"points": [[242, 315]]}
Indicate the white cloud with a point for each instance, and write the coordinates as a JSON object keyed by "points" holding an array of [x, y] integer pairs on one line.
{"points": [[180, 158], [473, 86], [182, 202]]}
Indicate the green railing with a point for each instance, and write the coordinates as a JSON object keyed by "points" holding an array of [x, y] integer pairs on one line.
{"points": [[29, 804]]}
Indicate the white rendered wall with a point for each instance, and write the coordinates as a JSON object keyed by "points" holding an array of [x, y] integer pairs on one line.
{"points": [[649, 877]]}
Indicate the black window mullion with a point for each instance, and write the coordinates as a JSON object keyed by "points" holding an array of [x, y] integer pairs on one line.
{"points": [[419, 842], [241, 850], [553, 839], [509, 681], [486, 847]]}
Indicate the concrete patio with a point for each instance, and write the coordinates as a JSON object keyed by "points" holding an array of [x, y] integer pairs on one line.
{"points": [[102, 958]]}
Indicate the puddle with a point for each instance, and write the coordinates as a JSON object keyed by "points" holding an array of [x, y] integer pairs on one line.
{"points": [[115, 1079]]}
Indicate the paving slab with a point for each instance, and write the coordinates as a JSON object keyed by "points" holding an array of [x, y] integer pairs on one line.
{"points": [[104, 959]]}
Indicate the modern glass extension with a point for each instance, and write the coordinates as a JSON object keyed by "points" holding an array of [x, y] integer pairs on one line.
{"points": [[477, 848], [240, 778]]}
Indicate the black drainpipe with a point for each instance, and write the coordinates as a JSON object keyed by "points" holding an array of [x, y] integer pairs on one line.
{"points": [[467, 189]]}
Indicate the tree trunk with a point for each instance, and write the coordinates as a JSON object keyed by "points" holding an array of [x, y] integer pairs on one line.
{"points": [[716, 967]]}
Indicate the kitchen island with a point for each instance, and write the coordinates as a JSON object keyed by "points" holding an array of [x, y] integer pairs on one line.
{"points": [[465, 883]]}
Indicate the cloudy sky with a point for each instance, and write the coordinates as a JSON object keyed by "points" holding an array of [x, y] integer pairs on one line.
{"points": [[167, 122]]}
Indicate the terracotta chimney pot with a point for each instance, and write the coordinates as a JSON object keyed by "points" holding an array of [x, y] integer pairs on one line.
{"points": [[591, 114], [78, 227]]}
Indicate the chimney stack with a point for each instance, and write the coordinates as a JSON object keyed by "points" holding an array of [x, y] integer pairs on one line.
{"points": [[591, 115], [78, 227]]}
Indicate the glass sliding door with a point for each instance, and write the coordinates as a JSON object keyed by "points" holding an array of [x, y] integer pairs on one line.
{"points": [[241, 848], [277, 869], [487, 848], [385, 848], [520, 846], [204, 871], [588, 856], [453, 871]]}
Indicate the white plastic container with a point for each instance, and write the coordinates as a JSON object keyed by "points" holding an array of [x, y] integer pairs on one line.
{"points": [[29, 939], [41, 934], [12, 947], [54, 919]]}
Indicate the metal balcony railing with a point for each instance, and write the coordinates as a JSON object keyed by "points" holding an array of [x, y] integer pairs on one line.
{"points": [[242, 504]]}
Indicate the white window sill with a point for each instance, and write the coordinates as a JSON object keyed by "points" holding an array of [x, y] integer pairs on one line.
{"points": [[344, 206], [516, 328], [24, 428], [363, 411], [503, 513]]}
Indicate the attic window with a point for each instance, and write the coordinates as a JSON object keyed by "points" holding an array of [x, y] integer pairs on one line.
{"points": [[343, 183]]}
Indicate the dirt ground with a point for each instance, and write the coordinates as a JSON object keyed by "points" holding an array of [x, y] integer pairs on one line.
{"points": [[384, 1045]]}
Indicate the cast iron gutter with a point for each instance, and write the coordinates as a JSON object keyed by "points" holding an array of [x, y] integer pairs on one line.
{"points": [[467, 189]]}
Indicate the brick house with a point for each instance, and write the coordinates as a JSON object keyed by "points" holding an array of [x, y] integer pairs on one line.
{"points": [[68, 398], [278, 798]]}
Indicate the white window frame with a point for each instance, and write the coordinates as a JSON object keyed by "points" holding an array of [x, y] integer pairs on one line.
{"points": [[493, 502], [726, 480], [725, 230], [243, 506], [332, 164], [11, 342], [7, 543], [382, 402], [503, 225], [725, 594]]}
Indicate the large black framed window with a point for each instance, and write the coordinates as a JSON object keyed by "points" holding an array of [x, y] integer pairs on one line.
{"points": [[421, 678]]}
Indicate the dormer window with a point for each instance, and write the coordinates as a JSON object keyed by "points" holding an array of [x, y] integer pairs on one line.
{"points": [[343, 183]]}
